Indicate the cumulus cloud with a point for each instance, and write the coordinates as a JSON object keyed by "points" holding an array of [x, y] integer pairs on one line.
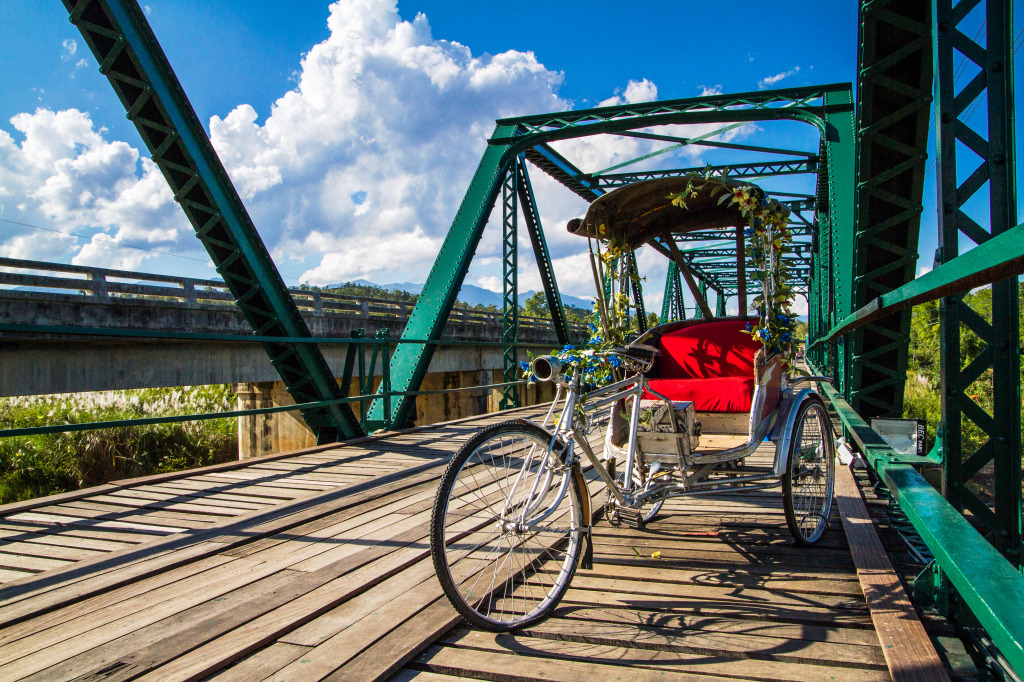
{"points": [[65, 174], [356, 172], [377, 143], [769, 81]]}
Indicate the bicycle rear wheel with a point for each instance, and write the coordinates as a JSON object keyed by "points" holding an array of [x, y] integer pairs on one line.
{"points": [[809, 480], [502, 561]]}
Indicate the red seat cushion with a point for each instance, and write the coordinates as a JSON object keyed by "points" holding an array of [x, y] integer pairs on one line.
{"points": [[710, 364], [723, 394], [708, 351]]}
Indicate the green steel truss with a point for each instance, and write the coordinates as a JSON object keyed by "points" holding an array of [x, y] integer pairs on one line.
{"points": [[751, 171], [540, 253], [824, 107], [672, 307], [995, 148], [636, 289], [893, 106], [510, 285], [131, 58]]}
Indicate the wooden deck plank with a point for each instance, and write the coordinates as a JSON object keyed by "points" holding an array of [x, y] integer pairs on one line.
{"points": [[316, 565], [908, 649], [638, 660]]}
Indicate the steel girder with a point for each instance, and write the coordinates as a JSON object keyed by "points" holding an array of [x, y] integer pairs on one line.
{"points": [[834, 270], [894, 98], [510, 285], [637, 292], [997, 168], [532, 135], [672, 307], [131, 58], [739, 170], [528, 205]]}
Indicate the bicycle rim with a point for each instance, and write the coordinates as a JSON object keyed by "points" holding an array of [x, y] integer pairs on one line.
{"points": [[499, 570], [811, 476]]}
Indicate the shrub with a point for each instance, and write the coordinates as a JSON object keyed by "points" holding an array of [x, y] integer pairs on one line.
{"points": [[33, 466]]}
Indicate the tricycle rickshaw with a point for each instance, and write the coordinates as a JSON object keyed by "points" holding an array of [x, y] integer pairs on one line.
{"points": [[511, 521]]}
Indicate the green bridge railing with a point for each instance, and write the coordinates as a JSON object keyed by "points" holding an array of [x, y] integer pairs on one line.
{"points": [[989, 585]]}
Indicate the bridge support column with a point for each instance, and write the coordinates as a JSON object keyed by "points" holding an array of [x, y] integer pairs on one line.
{"points": [[266, 434]]}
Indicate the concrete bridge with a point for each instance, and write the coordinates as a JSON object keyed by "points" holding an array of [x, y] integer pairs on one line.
{"points": [[132, 303]]}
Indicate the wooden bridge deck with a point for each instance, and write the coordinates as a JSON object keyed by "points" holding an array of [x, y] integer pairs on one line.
{"points": [[316, 566]]}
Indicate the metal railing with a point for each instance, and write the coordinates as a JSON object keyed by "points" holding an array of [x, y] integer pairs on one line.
{"points": [[989, 585]]}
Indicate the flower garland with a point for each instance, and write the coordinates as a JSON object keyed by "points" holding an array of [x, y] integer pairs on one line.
{"points": [[769, 241], [590, 358]]}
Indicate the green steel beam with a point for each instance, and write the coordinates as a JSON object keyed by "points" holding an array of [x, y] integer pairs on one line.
{"points": [[702, 287], [994, 145], [893, 106], [767, 105], [672, 307], [559, 168], [510, 283], [410, 361], [840, 157], [739, 170], [540, 252], [638, 293], [759, 100], [131, 58], [1000, 257]]}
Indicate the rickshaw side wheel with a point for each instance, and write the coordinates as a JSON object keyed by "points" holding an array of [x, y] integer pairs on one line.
{"points": [[809, 481], [501, 571]]}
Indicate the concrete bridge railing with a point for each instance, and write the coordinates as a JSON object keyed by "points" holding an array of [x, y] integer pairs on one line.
{"points": [[56, 295], [37, 280]]}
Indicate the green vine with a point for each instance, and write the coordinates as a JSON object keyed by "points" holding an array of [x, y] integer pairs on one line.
{"points": [[769, 242]]}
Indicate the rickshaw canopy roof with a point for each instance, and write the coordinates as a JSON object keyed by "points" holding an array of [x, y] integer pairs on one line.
{"points": [[636, 214]]}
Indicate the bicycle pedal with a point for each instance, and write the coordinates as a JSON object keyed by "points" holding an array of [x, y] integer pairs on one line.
{"points": [[630, 517]]}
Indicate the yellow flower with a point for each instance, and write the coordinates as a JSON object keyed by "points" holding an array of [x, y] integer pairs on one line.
{"points": [[656, 555]]}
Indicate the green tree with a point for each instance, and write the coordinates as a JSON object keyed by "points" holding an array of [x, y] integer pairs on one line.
{"points": [[537, 305]]}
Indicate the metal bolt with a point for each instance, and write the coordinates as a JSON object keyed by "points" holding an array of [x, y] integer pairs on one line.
{"points": [[997, 67], [943, 26], [998, 159], [947, 118]]}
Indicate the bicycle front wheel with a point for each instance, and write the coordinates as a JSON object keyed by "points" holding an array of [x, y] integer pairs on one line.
{"points": [[506, 532]]}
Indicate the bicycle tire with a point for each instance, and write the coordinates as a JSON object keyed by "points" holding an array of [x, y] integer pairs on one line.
{"points": [[809, 481], [535, 563]]}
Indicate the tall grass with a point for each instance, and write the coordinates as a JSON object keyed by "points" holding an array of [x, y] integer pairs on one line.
{"points": [[33, 466]]}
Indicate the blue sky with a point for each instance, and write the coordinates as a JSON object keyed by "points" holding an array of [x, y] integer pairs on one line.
{"points": [[346, 134]]}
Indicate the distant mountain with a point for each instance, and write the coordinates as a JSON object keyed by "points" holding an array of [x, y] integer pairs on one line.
{"points": [[474, 295]]}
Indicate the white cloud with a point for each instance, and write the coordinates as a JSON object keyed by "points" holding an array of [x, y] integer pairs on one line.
{"points": [[493, 283], [66, 176], [357, 171], [769, 81], [70, 48], [708, 90]]}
